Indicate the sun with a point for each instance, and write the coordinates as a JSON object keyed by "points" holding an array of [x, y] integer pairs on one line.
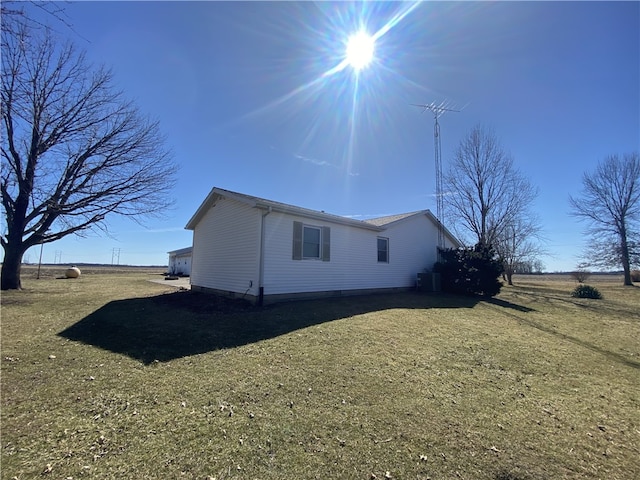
{"points": [[360, 48]]}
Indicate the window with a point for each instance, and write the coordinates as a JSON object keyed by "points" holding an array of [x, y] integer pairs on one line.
{"points": [[383, 250], [311, 242]]}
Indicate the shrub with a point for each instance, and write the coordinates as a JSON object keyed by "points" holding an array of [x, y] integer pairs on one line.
{"points": [[470, 271], [635, 275], [586, 291], [580, 275]]}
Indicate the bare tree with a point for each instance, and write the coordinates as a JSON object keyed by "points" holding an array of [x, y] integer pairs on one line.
{"points": [[581, 273], [610, 204], [14, 15], [605, 252], [486, 194], [73, 150], [537, 266], [519, 244]]}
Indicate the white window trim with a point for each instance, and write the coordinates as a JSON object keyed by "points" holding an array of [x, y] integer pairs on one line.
{"points": [[319, 229], [298, 242], [386, 239]]}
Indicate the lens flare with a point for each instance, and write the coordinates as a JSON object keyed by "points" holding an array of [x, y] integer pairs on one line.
{"points": [[360, 48], [349, 67]]}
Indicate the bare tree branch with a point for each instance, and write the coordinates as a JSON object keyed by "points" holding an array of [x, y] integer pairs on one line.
{"points": [[610, 205], [74, 151], [520, 244], [486, 192]]}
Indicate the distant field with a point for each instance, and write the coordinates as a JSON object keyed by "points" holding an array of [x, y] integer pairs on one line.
{"points": [[111, 376], [52, 271]]}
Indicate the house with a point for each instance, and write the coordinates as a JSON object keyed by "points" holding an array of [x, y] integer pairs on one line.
{"points": [[180, 261], [267, 251]]}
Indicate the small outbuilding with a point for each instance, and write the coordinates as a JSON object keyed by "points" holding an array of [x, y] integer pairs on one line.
{"points": [[180, 262], [267, 251]]}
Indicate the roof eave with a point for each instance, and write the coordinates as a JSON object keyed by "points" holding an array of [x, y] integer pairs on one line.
{"points": [[204, 206], [214, 194], [276, 207], [325, 217]]}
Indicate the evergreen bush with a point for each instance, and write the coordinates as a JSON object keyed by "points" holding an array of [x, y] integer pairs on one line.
{"points": [[470, 271], [586, 291]]}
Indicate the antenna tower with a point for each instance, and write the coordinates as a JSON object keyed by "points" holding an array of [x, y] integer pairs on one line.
{"points": [[437, 111]]}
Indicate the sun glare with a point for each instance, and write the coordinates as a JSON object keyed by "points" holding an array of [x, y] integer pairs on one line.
{"points": [[360, 49], [358, 54]]}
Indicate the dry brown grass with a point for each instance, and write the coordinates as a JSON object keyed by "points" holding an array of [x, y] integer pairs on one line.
{"points": [[112, 376]]}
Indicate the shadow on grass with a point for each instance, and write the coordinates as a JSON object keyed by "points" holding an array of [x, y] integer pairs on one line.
{"points": [[179, 324], [505, 304], [607, 353], [552, 331]]}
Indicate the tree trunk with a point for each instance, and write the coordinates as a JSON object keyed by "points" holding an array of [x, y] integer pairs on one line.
{"points": [[627, 274], [509, 277], [625, 260], [624, 250], [11, 268]]}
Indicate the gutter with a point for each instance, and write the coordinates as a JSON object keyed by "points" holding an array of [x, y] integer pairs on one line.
{"points": [[261, 259]]}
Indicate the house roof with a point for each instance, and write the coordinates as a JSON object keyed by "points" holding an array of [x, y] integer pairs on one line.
{"points": [[391, 219], [181, 251], [375, 224], [381, 221], [265, 204]]}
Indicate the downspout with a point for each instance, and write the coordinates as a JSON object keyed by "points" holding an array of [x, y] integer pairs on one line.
{"points": [[261, 273]]}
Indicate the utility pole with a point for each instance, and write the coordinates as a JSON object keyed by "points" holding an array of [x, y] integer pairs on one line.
{"points": [[437, 111], [40, 260], [115, 255]]}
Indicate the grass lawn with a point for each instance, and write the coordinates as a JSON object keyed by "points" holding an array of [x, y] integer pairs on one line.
{"points": [[111, 376]]}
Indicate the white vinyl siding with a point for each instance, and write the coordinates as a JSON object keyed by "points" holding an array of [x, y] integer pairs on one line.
{"points": [[226, 244], [226, 251], [354, 263], [180, 264]]}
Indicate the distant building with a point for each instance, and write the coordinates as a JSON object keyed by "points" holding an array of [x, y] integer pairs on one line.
{"points": [[180, 261]]}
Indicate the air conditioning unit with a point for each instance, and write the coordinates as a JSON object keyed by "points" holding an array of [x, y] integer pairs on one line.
{"points": [[428, 282]]}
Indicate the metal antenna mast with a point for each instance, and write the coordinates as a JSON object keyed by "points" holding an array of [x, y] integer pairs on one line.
{"points": [[437, 111]]}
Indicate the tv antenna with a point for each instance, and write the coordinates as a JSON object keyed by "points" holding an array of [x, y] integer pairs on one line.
{"points": [[437, 111]]}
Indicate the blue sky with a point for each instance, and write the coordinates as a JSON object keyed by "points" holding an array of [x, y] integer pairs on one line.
{"points": [[242, 93]]}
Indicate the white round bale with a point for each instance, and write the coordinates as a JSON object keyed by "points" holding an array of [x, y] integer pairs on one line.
{"points": [[73, 272]]}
